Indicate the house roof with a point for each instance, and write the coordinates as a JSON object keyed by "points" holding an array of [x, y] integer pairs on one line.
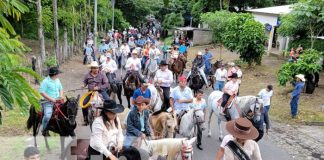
{"points": [[276, 10], [191, 28]]}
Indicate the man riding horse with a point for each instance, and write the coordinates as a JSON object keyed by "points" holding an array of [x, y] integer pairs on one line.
{"points": [[52, 92], [199, 61], [109, 67], [133, 64]]}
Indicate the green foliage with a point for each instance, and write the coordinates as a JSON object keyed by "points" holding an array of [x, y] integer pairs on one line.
{"points": [[307, 63], [246, 36], [50, 61], [217, 21], [306, 43], [173, 20]]}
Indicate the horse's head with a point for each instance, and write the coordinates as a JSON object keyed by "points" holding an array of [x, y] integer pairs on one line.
{"points": [[187, 149], [199, 116], [72, 109], [171, 125], [256, 108]]}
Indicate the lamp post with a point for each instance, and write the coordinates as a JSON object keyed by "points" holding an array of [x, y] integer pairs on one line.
{"points": [[95, 23], [190, 21], [113, 15]]}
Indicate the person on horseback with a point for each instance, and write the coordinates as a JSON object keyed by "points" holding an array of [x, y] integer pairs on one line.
{"points": [[140, 42], [164, 79], [109, 67], [133, 64], [230, 90], [103, 46], [207, 58], [183, 48], [106, 130], [96, 81], [137, 121], [154, 53], [181, 98], [52, 92], [142, 91], [89, 51], [124, 50], [145, 55], [199, 61]]}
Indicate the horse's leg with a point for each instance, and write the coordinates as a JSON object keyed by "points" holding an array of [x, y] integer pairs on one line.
{"points": [[62, 140], [128, 102], [220, 137], [209, 121], [46, 143], [119, 95]]}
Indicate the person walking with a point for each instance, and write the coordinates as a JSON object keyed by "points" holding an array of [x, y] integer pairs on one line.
{"points": [[207, 59], [106, 130], [220, 76], [239, 143], [164, 79], [199, 103], [52, 92], [299, 85], [266, 95]]}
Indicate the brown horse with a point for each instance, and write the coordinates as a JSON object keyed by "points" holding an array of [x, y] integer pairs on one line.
{"points": [[163, 124], [210, 76], [132, 82], [177, 66]]}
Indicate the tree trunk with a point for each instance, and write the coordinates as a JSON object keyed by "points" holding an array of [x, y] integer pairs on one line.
{"points": [[40, 31], [72, 29], [95, 31], [56, 31], [65, 36], [81, 29], [221, 4]]}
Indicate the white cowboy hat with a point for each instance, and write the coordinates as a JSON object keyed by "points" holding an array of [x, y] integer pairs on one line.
{"points": [[301, 77], [199, 53], [231, 64], [94, 64]]}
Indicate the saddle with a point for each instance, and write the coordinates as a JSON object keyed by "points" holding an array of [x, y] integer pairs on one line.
{"points": [[56, 110]]}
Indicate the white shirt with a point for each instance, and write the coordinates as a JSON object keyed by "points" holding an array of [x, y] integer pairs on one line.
{"points": [[231, 87], [111, 65], [124, 50], [221, 74], [239, 75], [266, 96], [165, 76], [178, 94], [154, 53], [131, 61], [250, 147], [101, 136], [199, 105]]}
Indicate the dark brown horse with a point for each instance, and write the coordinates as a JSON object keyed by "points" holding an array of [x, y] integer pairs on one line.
{"points": [[62, 121], [132, 82], [178, 66]]}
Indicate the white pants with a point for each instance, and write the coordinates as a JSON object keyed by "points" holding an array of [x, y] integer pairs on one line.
{"points": [[202, 73]]}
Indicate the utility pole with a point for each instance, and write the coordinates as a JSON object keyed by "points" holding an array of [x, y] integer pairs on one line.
{"points": [[113, 15], [95, 23]]}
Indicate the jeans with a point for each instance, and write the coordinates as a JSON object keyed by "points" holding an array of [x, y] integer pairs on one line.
{"points": [[219, 85], [202, 73], [294, 106], [104, 93], [225, 99], [165, 55], [47, 111], [144, 58], [266, 116], [119, 61], [129, 140]]}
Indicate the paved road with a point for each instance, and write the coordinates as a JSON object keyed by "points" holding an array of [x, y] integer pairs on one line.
{"points": [[73, 79]]}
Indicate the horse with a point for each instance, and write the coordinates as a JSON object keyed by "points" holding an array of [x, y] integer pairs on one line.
{"points": [[210, 76], [196, 81], [150, 69], [156, 101], [115, 90], [132, 82], [177, 67], [163, 124], [171, 148], [190, 122], [246, 106], [62, 121]]}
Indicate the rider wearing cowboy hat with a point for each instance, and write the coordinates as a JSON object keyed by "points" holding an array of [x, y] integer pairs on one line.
{"points": [[230, 89], [52, 91], [199, 61], [133, 64], [239, 143], [106, 129], [109, 67]]}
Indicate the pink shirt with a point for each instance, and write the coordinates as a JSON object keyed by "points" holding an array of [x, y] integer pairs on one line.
{"points": [[231, 87], [230, 72]]}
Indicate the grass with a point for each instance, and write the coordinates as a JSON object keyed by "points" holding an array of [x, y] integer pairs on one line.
{"points": [[13, 123]]}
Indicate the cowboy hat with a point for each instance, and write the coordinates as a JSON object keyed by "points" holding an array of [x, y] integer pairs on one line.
{"points": [[134, 51], [199, 53], [242, 128], [163, 63], [231, 64], [86, 99], [141, 99], [54, 71], [234, 75], [94, 64], [111, 106], [301, 77], [108, 56]]}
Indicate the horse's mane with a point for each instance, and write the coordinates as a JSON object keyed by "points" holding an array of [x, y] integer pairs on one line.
{"points": [[247, 101], [157, 113], [186, 123]]}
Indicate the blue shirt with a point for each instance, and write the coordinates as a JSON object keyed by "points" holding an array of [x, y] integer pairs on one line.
{"points": [[138, 92], [51, 87], [103, 47], [182, 49], [298, 89], [207, 57], [178, 94], [140, 42]]}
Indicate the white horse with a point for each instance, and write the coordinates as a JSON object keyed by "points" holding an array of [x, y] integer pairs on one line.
{"points": [[172, 148], [156, 100], [246, 106], [190, 121]]}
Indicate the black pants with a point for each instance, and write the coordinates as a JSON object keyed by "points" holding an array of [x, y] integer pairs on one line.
{"points": [[261, 133], [225, 99], [166, 95], [93, 152], [199, 134]]}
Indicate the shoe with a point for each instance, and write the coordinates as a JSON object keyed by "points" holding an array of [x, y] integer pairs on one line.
{"points": [[199, 147], [46, 134]]}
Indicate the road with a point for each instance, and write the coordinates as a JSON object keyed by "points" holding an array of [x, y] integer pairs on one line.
{"points": [[72, 78]]}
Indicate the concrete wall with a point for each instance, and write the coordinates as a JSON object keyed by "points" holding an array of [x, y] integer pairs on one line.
{"points": [[262, 18], [202, 37]]}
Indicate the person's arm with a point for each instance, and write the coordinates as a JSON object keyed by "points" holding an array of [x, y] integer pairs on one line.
{"points": [[146, 124], [61, 91], [85, 81], [220, 153], [169, 80], [295, 91], [96, 137], [189, 99]]}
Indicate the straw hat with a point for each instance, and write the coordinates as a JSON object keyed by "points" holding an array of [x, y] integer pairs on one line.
{"points": [[242, 128], [301, 77], [231, 64], [199, 53], [94, 64]]}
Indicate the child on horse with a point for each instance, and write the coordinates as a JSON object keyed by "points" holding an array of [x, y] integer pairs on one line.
{"points": [[230, 91]]}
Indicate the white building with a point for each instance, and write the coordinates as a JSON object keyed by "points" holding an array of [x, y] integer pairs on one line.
{"points": [[269, 17]]}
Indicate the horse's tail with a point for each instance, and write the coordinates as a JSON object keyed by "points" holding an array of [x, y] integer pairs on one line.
{"points": [[32, 117], [157, 113]]}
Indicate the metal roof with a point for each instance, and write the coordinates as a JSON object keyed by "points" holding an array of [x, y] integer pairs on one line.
{"points": [[191, 28], [277, 10]]}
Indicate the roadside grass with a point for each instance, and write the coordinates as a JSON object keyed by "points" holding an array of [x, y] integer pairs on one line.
{"points": [[13, 123]]}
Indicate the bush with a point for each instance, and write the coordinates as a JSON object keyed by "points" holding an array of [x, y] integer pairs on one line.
{"points": [[306, 43], [50, 61]]}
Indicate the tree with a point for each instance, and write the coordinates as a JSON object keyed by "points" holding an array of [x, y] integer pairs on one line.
{"points": [[305, 19], [56, 30], [308, 63], [246, 36], [172, 20]]}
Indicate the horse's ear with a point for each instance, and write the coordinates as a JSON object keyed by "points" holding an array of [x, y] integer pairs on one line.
{"points": [[67, 98]]}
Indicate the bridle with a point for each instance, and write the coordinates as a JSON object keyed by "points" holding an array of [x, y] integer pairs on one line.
{"points": [[183, 151], [254, 110]]}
